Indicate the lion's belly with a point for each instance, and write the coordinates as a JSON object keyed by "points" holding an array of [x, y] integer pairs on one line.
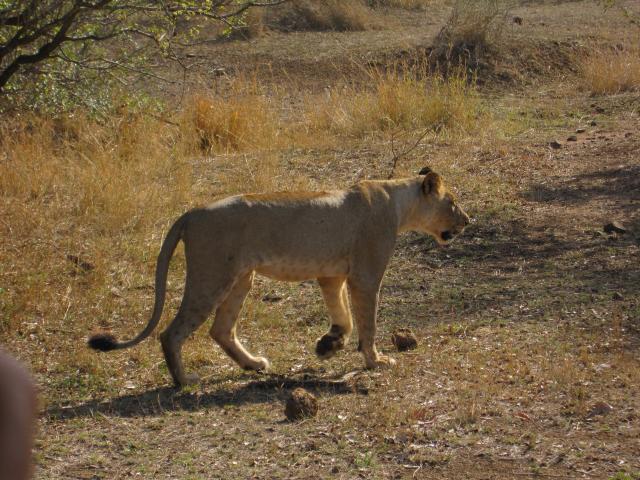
{"points": [[297, 271]]}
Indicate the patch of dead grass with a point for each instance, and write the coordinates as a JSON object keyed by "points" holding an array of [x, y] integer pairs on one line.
{"points": [[313, 15], [242, 121], [611, 71], [398, 100], [406, 4]]}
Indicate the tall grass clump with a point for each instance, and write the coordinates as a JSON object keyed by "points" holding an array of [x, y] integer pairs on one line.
{"points": [[399, 100], [611, 71], [109, 175], [320, 15], [472, 28], [242, 120]]}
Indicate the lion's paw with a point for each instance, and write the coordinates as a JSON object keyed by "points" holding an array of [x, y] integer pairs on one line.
{"points": [[382, 361], [189, 379], [328, 345], [259, 364]]}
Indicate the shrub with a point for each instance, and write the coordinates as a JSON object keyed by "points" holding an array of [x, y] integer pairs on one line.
{"points": [[472, 27]]}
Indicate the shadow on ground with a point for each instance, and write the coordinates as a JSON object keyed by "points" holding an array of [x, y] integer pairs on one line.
{"points": [[620, 184], [160, 400], [536, 265]]}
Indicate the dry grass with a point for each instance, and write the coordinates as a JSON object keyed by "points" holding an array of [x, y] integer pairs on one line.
{"points": [[399, 101], [312, 15], [471, 29], [89, 171], [611, 71], [406, 4], [217, 124], [247, 119], [74, 185]]}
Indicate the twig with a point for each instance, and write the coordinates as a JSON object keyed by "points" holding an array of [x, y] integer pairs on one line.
{"points": [[162, 119], [396, 157]]}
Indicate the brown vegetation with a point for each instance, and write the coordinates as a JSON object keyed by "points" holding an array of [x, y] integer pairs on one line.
{"points": [[612, 71]]}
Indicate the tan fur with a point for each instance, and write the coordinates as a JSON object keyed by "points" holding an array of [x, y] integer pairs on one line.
{"points": [[344, 239]]}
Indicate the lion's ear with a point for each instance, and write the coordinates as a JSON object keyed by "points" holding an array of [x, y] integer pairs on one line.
{"points": [[432, 184], [424, 171]]}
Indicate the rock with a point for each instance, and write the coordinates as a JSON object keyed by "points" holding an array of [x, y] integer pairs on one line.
{"points": [[404, 339], [555, 144], [581, 130], [617, 296], [301, 404], [572, 138], [614, 227], [600, 408]]}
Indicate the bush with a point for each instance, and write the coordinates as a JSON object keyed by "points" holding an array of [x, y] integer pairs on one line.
{"points": [[473, 26]]}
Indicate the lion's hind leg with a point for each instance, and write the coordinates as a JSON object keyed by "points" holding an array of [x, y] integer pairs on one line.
{"points": [[223, 330], [198, 302], [334, 291]]}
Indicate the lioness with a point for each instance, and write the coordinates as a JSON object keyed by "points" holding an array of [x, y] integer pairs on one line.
{"points": [[342, 238]]}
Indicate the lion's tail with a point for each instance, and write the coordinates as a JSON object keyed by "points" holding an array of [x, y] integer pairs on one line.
{"points": [[105, 341]]}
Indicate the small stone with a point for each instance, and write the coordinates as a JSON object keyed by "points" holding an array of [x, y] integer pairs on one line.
{"points": [[555, 144], [572, 138], [581, 130], [617, 296], [404, 339], [614, 227], [301, 404], [600, 408]]}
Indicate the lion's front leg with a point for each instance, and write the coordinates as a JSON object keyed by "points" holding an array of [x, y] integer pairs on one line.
{"points": [[365, 308]]}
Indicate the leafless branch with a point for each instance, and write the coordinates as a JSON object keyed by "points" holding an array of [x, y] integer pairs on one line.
{"points": [[398, 156]]}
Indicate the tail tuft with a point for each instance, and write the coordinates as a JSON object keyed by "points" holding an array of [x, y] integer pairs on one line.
{"points": [[103, 342]]}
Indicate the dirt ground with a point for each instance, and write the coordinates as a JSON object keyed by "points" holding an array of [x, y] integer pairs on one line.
{"points": [[528, 326]]}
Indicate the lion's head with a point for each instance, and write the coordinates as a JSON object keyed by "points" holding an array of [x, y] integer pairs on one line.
{"points": [[438, 214]]}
